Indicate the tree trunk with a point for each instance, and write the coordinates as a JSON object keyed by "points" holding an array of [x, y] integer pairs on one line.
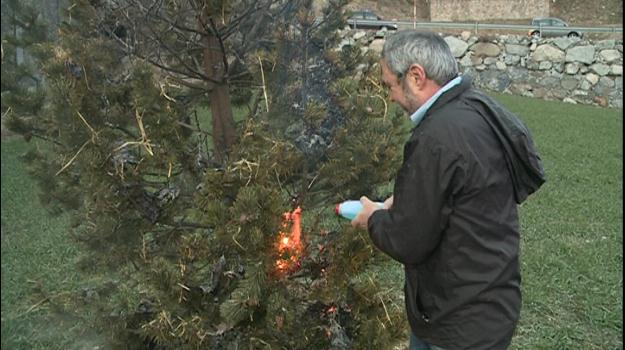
{"points": [[221, 109]]}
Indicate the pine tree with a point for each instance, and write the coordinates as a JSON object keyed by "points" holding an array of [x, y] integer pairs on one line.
{"points": [[27, 32], [224, 249]]}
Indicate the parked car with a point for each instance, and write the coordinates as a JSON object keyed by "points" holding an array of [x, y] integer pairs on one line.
{"points": [[541, 31], [366, 19]]}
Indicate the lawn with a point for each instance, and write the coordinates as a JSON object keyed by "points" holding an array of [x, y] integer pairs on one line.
{"points": [[572, 229], [572, 241], [38, 264]]}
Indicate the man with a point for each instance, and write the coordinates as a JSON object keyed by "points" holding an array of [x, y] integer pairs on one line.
{"points": [[452, 220]]}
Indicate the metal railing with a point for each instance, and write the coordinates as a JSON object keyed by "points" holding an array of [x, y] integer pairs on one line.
{"points": [[520, 27]]}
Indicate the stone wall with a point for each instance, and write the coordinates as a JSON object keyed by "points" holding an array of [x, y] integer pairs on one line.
{"points": [[565, 69], [453, 10], [571, 70]]}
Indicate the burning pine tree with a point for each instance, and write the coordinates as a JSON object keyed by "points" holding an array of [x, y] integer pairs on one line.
{"points": [[216, 239]]}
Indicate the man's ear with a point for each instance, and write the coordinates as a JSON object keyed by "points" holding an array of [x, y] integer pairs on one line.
{"points": [[417, 73]]}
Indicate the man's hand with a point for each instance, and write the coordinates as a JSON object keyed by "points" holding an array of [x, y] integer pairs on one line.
{"points": [[368, 207], [388, 203]]}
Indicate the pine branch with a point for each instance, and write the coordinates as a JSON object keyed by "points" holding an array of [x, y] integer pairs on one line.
{"points": [[45, 138], [175, 54], [121, 128], [154, 14], [253, 32], [191, 127], [186, 224], [221, 45], [190, 84], [189, 72]]}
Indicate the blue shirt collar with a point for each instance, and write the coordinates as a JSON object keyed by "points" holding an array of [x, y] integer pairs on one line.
{"points": [[418, 115]]}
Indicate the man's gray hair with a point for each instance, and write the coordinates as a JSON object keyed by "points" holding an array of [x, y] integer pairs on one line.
{"points": [[426, 49]]}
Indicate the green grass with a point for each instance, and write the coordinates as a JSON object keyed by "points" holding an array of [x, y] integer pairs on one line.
{"points": [[572, 229], [36, 252], [572, 242]]}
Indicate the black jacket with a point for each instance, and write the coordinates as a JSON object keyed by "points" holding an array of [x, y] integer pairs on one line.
{"points": [[454, 222]]}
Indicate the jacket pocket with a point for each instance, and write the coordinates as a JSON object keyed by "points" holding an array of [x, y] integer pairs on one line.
{"points": [[414, 297], [429, 291]]}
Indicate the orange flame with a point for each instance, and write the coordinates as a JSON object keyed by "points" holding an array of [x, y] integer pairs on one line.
{"points": [[290, 244], [296, 228]]}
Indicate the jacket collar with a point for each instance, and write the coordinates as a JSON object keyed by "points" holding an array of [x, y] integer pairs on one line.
{"points": [[465, 84], [417, 116]]}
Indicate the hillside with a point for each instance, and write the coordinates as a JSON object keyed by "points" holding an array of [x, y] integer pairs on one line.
{"points": [[597, 12], [577, 12]]}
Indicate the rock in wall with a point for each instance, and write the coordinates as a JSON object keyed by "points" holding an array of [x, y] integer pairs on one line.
{"points": [[571, 70]]}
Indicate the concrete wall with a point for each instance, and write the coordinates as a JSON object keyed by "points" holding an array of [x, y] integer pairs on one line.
{"points": [[479, 10]]}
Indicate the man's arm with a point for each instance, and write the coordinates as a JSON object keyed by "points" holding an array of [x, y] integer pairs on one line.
{"points": [[411, 228]]}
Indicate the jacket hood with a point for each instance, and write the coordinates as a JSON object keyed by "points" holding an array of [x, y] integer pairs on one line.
{"points": [[522, 159]]}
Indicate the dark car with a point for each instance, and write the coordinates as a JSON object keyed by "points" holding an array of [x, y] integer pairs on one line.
{"points": [[366, 19], [542, 28]]}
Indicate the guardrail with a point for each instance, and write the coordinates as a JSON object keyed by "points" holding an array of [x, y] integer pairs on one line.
{"points": [[365, 23], [481, 26]]}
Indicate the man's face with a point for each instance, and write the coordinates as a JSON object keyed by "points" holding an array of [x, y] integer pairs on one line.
{"points": [[401, 91]]}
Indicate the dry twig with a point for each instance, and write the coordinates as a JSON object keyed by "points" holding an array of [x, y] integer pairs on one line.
{"points": [[262, 75], [385, 310], [39, 303], [73, 158]]}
